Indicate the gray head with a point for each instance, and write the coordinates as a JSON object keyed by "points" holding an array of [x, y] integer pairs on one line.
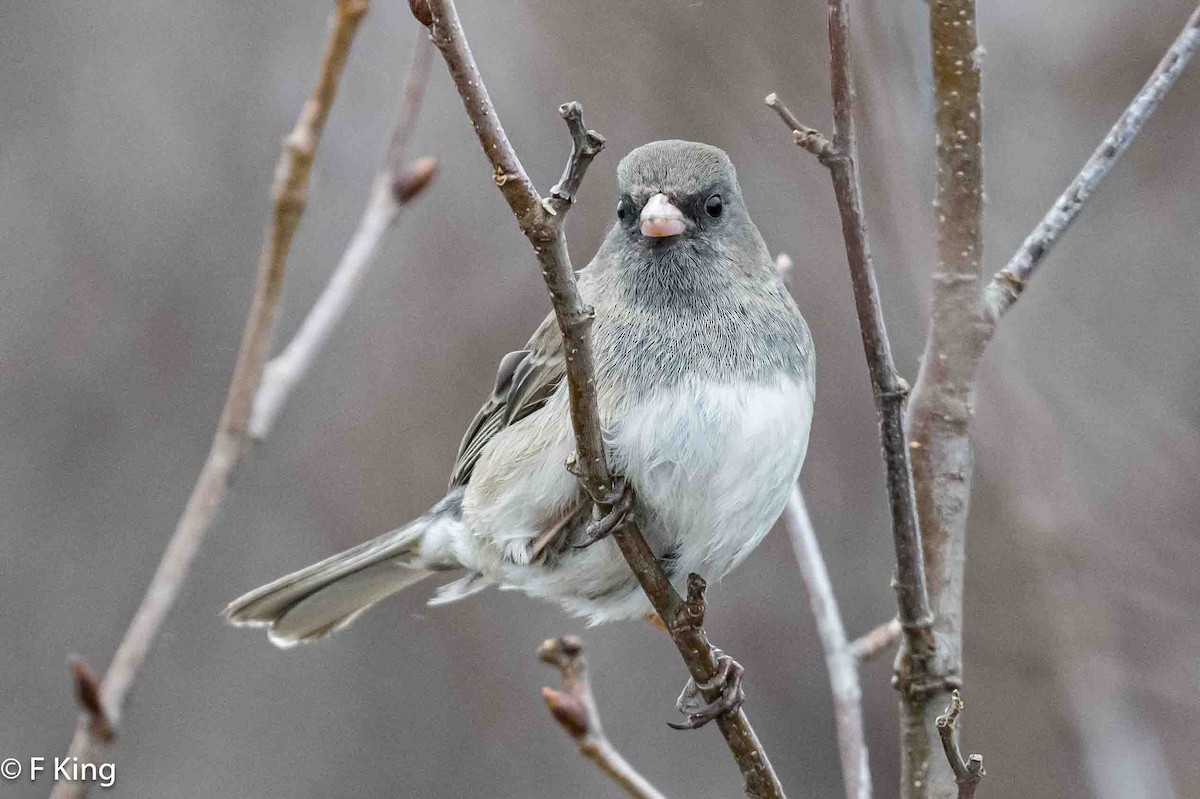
{"points": [[674, 191]]}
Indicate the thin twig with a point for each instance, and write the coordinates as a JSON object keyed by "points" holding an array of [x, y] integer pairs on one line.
{"points": [[840, 658], [396, 184], [1007, 284], [877, 640], [967, 773], [290, 192], [890, 390], [541, 220], [576, 712]]}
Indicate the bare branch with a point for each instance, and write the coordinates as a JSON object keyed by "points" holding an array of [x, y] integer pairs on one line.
{"points": [[840, 658], [575, 710], [943, 396], [1006, 286], [889, 388], [804, 136], [967, 773], [878, 640], [290, 192], [542, 222], [396, 184]]}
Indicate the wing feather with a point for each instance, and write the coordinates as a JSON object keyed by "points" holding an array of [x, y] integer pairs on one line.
{"points": [[525, 381]]}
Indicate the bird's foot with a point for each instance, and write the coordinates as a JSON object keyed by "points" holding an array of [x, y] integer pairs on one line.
{"points": [[620, 502], [727, 680]]}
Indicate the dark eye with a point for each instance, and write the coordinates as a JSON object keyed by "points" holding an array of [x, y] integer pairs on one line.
{"points": [[623, 210], [714, 205]]}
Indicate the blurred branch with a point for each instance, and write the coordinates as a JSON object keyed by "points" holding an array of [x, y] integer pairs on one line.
{"points": [[396, 184], [576, 712], [876, 640], [87, 693], [542, 220], [230, 442], [1006, 286], [840, 657], [969, 772]]}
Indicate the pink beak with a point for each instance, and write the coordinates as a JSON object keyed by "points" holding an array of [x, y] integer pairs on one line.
{"points": [[660, 218]]}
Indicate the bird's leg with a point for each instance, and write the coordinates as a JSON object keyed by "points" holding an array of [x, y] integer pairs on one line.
{"points": [[619, 502], [727, 680]]}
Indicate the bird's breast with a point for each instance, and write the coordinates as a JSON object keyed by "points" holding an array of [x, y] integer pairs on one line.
{"points": [[713, 461]]}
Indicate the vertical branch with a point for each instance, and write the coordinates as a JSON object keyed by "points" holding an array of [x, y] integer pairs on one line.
{"points": [[890, 390], [290, 193], [841, 659], [943, 397], [542, 220]]}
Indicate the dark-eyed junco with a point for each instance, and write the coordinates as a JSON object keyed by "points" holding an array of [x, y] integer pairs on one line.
{"points": [[704, 369]]}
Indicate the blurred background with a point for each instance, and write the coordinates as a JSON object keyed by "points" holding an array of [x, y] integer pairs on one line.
{"points": [[136, 147]]}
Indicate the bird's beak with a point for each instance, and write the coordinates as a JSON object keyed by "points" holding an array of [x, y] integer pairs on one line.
{"points": [[660, 218]]}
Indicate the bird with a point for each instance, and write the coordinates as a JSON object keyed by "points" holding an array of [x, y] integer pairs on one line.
{"points": [[705, 380]]}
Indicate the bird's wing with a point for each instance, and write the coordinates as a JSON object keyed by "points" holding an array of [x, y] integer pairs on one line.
{"points": [[524, 382]]}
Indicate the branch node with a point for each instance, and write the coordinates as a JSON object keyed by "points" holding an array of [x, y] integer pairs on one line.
{"points": [[585, 145]]}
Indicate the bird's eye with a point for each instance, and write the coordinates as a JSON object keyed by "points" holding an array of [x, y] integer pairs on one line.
{"points": [[623, 210], [714, 205]]}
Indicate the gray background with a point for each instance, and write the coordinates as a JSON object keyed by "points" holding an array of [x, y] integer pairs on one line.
{"points": [[136, 147]]}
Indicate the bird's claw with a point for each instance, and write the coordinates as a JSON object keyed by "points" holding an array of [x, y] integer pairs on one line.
{"points": [[620, 502], [727, 680]]}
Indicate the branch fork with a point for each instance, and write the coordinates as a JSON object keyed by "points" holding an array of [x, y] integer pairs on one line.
{"points": [[969, 772]]}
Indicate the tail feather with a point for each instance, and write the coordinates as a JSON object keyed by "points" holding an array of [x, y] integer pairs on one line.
{"points": [[315, 601]]}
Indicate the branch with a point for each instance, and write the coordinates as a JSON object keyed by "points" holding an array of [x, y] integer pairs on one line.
{"points": [[396, 184], [542, 220], [575, 710], [840, 657], [943, 396], [967, 773], [890, 390], [1006, 286], [876, 641], [230, 442]]}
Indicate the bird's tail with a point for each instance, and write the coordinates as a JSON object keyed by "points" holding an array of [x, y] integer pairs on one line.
{"points": [[315, 601]]}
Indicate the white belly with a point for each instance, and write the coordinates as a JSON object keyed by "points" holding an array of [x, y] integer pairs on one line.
{"points": [[715, 463], [712, 463]]}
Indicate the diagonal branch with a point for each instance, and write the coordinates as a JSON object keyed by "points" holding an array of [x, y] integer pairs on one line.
{"points": [[396, 184], [841, 659], [876, 640], [1006, 286], [575, 710], [542, 220], [230, 443], [969, 772]]}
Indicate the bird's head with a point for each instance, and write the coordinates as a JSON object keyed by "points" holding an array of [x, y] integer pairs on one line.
{"points": [[672, 192]]}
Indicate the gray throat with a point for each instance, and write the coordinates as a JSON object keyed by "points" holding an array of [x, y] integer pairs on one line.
{"points": [[691, 309]]}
